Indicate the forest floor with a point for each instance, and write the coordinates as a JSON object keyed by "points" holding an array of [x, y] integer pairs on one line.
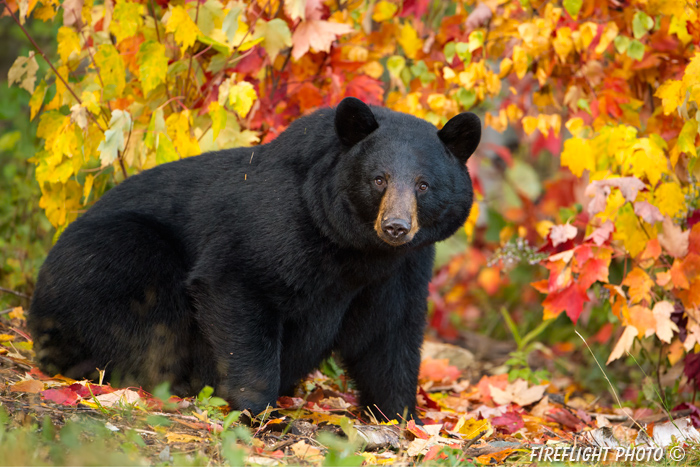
{"points": [[471, 416]]}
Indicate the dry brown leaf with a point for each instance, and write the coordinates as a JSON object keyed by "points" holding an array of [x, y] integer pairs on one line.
{"points": [[122, 396], [305, 451], [31, 385], [518, 392]]}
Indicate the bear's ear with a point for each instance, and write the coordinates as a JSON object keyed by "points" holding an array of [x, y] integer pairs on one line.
{"points": [[461, 135], [354, 121]]}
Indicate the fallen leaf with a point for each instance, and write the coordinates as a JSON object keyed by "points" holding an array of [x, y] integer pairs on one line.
{"points": [[182, 438], [31, 386], [518, 393], [63, 396], [121, 396]]}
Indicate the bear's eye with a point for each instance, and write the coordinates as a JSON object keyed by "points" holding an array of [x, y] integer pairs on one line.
{"points": [[423, 186], [379, 181]]}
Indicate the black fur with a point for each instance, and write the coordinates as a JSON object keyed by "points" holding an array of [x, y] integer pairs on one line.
{"points": [[243, 269]]}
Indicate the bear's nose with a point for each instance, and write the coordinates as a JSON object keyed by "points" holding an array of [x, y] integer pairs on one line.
{"points": [[396, 228]]}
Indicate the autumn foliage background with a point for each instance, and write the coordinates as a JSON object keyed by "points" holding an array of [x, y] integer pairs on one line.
{"points": [[587, 216]]}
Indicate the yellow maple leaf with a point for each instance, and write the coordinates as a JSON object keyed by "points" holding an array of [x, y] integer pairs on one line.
{"points": [[670, 94], [409, 40], [669, 198], [563, 44], [521, 62], [578, 156], [68, 42], [384, 10], [127, 19], [647, 159], [241, 97], [183, 28], [627, 228]]}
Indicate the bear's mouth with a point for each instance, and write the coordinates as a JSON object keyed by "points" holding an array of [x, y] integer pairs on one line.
{"points": [[396, 241]]}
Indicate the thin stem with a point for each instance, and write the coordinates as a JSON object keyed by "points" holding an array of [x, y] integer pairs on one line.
{"points": [[97, 68], [13, 292], [43, 55], [189, 67]]}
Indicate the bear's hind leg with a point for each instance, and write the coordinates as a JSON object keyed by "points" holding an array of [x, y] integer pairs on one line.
{"points": [[111, 295]]}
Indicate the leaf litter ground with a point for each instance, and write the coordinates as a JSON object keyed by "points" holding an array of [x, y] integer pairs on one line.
{"points": [[469, 416]]}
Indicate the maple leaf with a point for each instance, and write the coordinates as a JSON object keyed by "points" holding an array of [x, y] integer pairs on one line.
{"points": [[72, 13], [277, 36], [673, 239], [569, 300], [670, 199], [316, 34], [562, 233], [127, 19], [153, 65], [639, 284], [409, 40], [62, 396], [647, 211], [518, 392], [112, 70], [623, 344], [68, 42], [664, 327], [114, 137], [601, 234], [241, 97], [23, 71], [593, 270], [578, 156], [185, 30], [438, 370]]}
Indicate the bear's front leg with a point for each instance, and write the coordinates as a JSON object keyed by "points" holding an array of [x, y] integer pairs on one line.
{"points": [[381, 339], [244, 336]]}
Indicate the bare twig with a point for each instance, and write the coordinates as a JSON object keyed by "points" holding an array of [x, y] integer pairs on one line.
{"points": [[14, 292]]}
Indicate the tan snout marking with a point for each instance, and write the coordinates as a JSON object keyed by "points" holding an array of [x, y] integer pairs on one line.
{"points": [[397, 202]]}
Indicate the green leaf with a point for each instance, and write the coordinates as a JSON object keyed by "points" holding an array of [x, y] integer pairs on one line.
{"points": [[686, 138], [621, 44], [209, 13], [112, 70], [230, 24], [641, 23], [395, 64], [114, 137], [462, 49], [636, 50], [449, 52], [166, 153], [466, 97], [127, 19], [277, 36], [218, 116], [153, 65], [583, 105], [573, 7], [155, 127], [476, 40]]}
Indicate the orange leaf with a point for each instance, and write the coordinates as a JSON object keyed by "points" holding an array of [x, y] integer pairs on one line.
{"points": [[639, 284], [31, 385], [438, 370]]}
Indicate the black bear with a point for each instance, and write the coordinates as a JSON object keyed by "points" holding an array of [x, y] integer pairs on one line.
{"points": [[243, 269]]}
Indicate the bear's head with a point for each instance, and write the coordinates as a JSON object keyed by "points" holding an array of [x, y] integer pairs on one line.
{"points": [[405, 182]]}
